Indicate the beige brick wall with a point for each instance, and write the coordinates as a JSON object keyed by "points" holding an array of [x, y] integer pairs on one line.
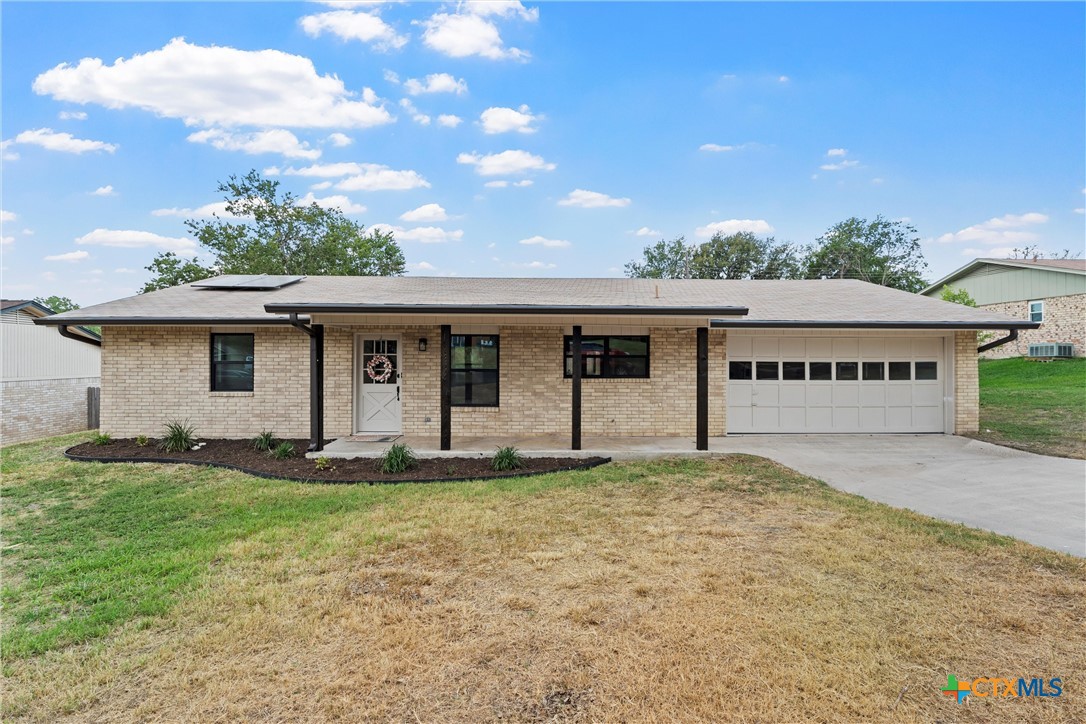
{"points": [[1064, 321], [966, 383], [151, 375], [34, 409]]}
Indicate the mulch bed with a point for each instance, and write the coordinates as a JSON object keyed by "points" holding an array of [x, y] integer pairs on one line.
{"points": [[240, 455]]}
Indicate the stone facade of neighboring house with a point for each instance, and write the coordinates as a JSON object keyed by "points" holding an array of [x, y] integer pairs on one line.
{"points": [[1049, 291]]}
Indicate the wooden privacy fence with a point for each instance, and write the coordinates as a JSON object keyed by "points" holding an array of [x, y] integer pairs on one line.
{"points": [[94, 407]]}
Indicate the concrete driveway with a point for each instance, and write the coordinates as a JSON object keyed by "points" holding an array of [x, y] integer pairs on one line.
{"points": [[1036, 498]]}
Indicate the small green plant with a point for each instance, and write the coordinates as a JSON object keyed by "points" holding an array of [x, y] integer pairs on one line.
{"points": [[178, 437], [323, 463], [102, 438], [282, 451], [507, 458], [142, 440], [396, 459], [264, 441]]}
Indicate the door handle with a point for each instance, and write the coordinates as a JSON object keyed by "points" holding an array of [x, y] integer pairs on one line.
{"points": [[397, 393]]}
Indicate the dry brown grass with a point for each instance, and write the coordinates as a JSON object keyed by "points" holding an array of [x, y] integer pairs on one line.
{"points": [[694, 593]]}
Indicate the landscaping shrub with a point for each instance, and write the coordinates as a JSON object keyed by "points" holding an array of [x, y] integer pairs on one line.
{"points": [[507, 458], [102, 438], [323, 463], [178, 437], [142, 440], [282, 451], [396, 459], [264, 441]]}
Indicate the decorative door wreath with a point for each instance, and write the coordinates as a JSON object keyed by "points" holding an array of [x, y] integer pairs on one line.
{"points": [[379, 368]]}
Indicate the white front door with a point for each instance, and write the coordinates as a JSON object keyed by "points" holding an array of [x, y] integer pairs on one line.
{"points": [[377, 384]]}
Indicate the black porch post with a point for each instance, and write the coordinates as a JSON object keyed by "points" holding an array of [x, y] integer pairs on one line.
{"points": [[575, 352], [703, 389], [316, 388], [446, 387]]}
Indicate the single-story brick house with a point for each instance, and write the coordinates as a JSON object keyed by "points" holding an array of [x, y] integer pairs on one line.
{"points": [[1051, 292], [335, 356]]}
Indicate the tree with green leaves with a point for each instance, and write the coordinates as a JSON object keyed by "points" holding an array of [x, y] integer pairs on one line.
{"points": [[957, 295], [734, 256], [268, 232], [664, 260], [57, 304], [881, 252]]}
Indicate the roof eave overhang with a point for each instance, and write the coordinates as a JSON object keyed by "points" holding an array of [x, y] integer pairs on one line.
{"points": [[503, 309], [977, 263], [864, 324], [166, 321]]}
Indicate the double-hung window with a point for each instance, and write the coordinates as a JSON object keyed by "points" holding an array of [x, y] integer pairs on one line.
{"points": [[1037, 311], [611, 356], [475, 370], [231, 363]]}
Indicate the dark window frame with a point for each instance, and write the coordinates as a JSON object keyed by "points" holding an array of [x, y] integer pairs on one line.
{"points": [[214, 363], [605, 358], [496, 370]]}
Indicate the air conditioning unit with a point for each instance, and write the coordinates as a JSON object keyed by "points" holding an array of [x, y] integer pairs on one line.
{"points": [[1051, 350]]}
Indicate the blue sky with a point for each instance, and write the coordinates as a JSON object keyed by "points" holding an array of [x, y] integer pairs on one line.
{"points": [[546, 139]]}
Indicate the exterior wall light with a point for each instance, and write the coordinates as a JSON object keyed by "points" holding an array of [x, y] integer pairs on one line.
{"points": [[422, 344]]}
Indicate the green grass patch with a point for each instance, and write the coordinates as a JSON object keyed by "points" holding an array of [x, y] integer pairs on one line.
{"points": [[1035, 406]]}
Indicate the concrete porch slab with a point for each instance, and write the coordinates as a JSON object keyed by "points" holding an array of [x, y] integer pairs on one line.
{"points": [[542, 446]]}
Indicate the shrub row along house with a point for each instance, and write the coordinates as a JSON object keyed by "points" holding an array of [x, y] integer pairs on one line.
{"points": [[328, 357], [1051, 292]]}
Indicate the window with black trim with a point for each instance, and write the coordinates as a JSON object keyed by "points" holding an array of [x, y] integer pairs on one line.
{"points": [[611, 356], [474, 370], [231, 363]]}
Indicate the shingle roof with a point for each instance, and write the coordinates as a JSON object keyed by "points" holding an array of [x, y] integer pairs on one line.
{"points": [[811, 301]]}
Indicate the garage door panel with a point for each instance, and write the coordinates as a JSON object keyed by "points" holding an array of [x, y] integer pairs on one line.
{"points": [[902, 404]]}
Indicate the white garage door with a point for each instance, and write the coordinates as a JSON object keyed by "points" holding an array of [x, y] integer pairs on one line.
{"points": [[835, 384]]}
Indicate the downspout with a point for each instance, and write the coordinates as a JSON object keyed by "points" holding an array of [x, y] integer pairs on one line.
{"points": [[63, 329], [316, 381], [1012, 334]]}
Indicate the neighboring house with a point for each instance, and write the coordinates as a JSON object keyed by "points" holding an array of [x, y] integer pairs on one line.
{"points": [[1049, 291], [43, 376], [441, 357]]}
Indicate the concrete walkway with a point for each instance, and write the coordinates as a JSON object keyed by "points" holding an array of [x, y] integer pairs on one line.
{"points": [[1036, 498]]}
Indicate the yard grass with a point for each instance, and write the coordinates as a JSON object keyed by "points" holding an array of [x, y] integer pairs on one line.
{"points": [[732, 589], [1034, 406]]}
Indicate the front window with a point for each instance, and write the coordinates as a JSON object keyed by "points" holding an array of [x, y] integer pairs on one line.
{"points": [[611, 356], [231, 363], [475, 370], [1037, 311]]}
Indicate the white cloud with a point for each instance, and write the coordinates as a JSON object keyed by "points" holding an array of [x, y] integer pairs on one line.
{"points": [[506, 184], [523, 182], [543, 241], [847, 163], [104, 191], [186, 81], [504, 120], [1007, 229], [5, 152], [717, 148], [877, 181], [999, 252], [70, 256], [416, 115], [272, 141], [734, 226], [496, 184], [347, 25], [436, 83], [836, 152], [471, 32], [128, 239], [449, 120], [375, 177], [592, 200], [6, 215], [72, 116], [1080, 211], [421, 234], [425, 213], [321, 186], [340, 202], [505, 163], [533, 265], [203, 212], [422, 266], [646, 231], [52, 140], [6, 240], [329, 170], [340, 140], [783, 79], [125, 270], [392, 77]]}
